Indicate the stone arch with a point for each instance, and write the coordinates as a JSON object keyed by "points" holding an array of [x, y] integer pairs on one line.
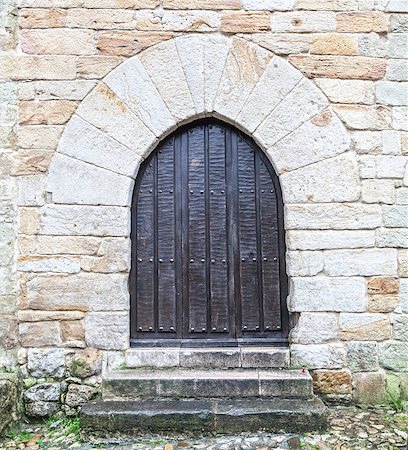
{"points": [[148, 96]]}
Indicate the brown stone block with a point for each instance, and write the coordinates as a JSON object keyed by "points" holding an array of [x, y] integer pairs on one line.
{"points": [[85, 363], [72, 330], [202, 4], [344, 67], [96, 67], [332, 381], [128, 43], [31, 161], [334, 44], [245, 22], [362, 22], [382, 303], [49, 112], [39, 334], [369, 388], [42, 17], [383, 285]]}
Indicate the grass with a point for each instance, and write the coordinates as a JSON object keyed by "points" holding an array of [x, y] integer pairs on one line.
{"points": [[19, 436]]}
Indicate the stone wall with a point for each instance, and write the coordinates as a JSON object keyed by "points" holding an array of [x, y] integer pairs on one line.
{"points": [[338, 139]]}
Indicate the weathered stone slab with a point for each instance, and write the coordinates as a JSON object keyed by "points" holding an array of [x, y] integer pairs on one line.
{"points": [[303, 22], [369, 388], [315, 328], [40, 334], [107, 330], [46, 362], [329, 239], [48, 264], [364, 327], [321, 356], [394, 356], [347, 91], [400, 327], [332, 381], [57, 245], [362, 356], [304, 263], [48, 392], [395, 237]]}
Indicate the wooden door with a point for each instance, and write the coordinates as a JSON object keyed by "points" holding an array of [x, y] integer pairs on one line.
{"points": [[208, 251]]}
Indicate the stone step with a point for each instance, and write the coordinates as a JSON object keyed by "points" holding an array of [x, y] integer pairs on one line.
{"points": [[221, 416], [193, 383], [227, 357]]}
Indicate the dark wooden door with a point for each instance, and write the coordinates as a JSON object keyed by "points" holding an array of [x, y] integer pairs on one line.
{"points": [[208, 251]]}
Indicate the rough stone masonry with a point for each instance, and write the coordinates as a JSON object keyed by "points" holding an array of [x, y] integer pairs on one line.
{"points": [[323, 86]]}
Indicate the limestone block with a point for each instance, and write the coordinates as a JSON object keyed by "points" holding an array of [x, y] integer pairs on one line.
{"points": [[244, 67], [321, 356], [391, 141], [395, 216], [360, 262], [72, 332], [48, 264], [347, 91], [341, 67], [278, 79], [360, 117], [392, 93], [328, 294], [61, 90], [394, 356], [367, 165], [378, 191], [303, 21], [41, 18], [396, 237], [338, 216], [268, 5], [57, 245], [96, 66], [304, 263], [334, 44], [41, 409], [39, 334], [329, 5], [47, 392], [131, 4], [373, 44], [75, 182], [332, 381], [46, 362], [128, 43], [244, 21], [397, 70], [402, 196], [300, 105], [85, 363], [39, 137], [367, 142], [83, 292], [315, 328], [322, 137], [113, 256], [364, 327], [31, 190], [397, 6], [362, 356], [329, 239], [399, 118], [403, 263], [28, 220], [400, 327], [362, 22], [382, 285], [30, 315], [108, 331], [201, 4], [314, 183], [131, 83], [369, 388], [163, 65], [78, 394], [58, 41], [404, 294], [85, 220], [282, 43], [49, 112], [398, 46], [103, 109]]}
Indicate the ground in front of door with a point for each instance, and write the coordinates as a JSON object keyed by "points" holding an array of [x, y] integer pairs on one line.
{"points": [[350, 428]]}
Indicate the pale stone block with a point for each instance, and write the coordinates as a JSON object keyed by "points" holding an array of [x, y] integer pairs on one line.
{"points": [[57, 245], [76, 182], [364, 327], [43, 137], [403, 290], [337, 216], [378, 191], [30, 315], [40, 334], [403, 264], [85, 220], [48, 264], [48, 392], [163, 65], [282, 43], [397, 6], [113, 256], [304, 263], [314, 183], [400, 327], [274, 85], [83, 292], [49, 112], [132, 4], [359, 117], [391, 141], [103, 109], [321, 240], [395, 216], [328, 294], [99, 19], [402, 196], [268, 5], [382, 303], [334, 44], [392, 93], [369, 388], [245, 21], [400, 118], [320, 356], [59, 90], [322, 137], [300, 105], [398, 46], [246, 62], [59, 41], [329, 5], [73, 333], [170, 357], [31, 190], [360, 262], [28, 220], [85, 142], [303, 21], [315, 328], [202, 4], [362, 356], [394, 356], [396, 237], [367, 142], [46, 362], [368, 167], [96, 66], [397, 70], [108, 331], [373, 45], [347, 91], [362, 22]]}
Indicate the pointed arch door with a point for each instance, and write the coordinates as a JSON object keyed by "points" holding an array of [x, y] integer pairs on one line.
{"points": [[208, 250]]}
